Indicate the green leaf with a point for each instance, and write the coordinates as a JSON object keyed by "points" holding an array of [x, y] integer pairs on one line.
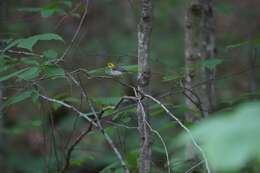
{"points": [[211, 63], [110, 168], [82, 159], [50, 54], [106, 101], [14, 74], [47, 12], [255, 42], [30, 61], [51, 10], [72, 100], [10, 45], [30, 73], [67, 3], [3, 59], [132, 157], [171, 78], [54, 71], [234, 135], [28, 43], [18, 98], [4, 68], [77, 162]]}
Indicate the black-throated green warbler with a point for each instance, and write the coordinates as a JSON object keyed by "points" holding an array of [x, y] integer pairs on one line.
{"points": [[116, 70]]}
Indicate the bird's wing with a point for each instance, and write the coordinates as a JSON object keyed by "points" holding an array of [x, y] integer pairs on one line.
{"points": [[120, 69]]}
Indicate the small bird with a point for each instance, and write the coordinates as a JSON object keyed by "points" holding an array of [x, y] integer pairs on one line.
{"points": [[116, 70]]}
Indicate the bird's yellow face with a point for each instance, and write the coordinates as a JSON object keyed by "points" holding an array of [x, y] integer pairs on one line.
{"points": [[110, 65]]}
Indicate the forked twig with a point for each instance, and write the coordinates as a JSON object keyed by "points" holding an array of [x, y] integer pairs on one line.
{"points": [[154, 131]]}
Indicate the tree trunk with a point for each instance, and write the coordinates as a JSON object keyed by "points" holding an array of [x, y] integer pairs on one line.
{"points": [[3, 18], [200, 46], [144, 74]]}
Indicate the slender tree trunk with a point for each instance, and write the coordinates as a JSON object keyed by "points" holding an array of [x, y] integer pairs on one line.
{"points": [[144, 74], [3, 18], [200, 46]]}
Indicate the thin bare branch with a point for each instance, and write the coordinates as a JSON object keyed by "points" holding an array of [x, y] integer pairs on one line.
{"points": [[99, 125], [72, 147], [194, 166], [76, 33], [22, 53], [154, 131], [184, 127], [81, 114]]}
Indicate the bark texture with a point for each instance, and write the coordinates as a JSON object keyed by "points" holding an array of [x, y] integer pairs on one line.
{"points": [[144, 74], [199, 46]]}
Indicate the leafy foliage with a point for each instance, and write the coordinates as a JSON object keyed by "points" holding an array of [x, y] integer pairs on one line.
{"points": [[231, 139], [54, 71], [172, 78], [30, 73], [18, 98], [51, 8], [50, 54], [107, 101], [11, 75], [28, 43], [211, 63]]}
